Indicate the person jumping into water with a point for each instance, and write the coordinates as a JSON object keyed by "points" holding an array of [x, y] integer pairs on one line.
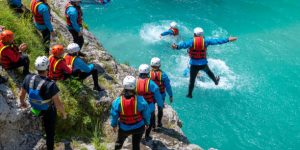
{"points": [[197, 52], [173, 30]]}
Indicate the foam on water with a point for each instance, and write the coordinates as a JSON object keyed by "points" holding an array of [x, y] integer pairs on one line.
{"points": [[217, 66]]}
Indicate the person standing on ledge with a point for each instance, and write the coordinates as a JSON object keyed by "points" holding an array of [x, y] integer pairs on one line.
{"points": [[163, 82], [197, 48], [74, 22], [42, 21], [131, 113], [150, 91], [44, 98]]}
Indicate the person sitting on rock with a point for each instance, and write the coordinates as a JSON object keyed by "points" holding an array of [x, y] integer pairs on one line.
{"points": [[58, 69], [131, 113], [150, 91], [44, 98], [79, 67], [11, 56], [163, 82]]}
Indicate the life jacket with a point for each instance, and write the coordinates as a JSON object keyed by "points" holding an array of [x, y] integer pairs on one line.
{"points": [[38, 18], [70, 60], [175, 31], [198, 50], [156, 76], [129, 112], [142, 88], [80, 14], [35, 99], [4, 61], [54, 73]]}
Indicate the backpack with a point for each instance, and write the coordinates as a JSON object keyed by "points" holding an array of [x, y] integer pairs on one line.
{"points": [[35, 99]]}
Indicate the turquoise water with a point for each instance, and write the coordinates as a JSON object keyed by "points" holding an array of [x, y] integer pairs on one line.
{"points": [[257, 104]]}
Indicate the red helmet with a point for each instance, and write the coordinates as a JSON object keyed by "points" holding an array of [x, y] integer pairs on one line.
{"points": [[57, 50], [7, 36]]}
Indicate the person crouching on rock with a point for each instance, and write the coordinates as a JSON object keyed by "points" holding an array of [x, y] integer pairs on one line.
{"points": [[79, 67], [131, 113], [150, 91], [43, 98], [58, 69], [11, 56]]}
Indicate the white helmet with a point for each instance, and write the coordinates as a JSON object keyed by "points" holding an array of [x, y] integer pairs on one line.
{"points": [[173, 24], [198, 31], [73, 48], [41, 63], [144, 68], [129, 83], [155, 61]]}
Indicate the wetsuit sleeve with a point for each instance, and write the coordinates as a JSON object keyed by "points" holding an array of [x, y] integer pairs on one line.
{"points": [[168, 86], [144, 109], [82, 66], [44, 11], [186, 44], [169, 32], [215, 41], [114, 112], [154, 89], [73, 14]]}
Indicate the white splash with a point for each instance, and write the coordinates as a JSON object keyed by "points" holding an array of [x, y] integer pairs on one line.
{"points": [[217, 66]]}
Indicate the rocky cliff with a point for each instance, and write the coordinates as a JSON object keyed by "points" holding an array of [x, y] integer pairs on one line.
{"points": [[19, 130]]}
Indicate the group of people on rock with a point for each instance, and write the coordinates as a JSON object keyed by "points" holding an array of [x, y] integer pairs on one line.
{"points": [[41, 88], [133, 111]]}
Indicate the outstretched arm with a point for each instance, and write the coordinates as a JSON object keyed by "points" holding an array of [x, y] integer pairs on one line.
{"points": [[183, 45], [218, 41], [168, 32]]}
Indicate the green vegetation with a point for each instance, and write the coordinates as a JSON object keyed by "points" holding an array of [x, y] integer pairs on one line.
{"points": [[84, 118]]}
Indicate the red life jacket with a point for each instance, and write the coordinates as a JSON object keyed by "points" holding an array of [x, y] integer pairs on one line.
{"points": [[142, 88], [80, 14], [54, 72], [175, 31], [5, 61], [70, 60], [129, 112], [198, 50], [156, 76], [38, 18]]}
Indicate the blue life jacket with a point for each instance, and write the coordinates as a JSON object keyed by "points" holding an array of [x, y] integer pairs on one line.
{"points": [[35, 99]]}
